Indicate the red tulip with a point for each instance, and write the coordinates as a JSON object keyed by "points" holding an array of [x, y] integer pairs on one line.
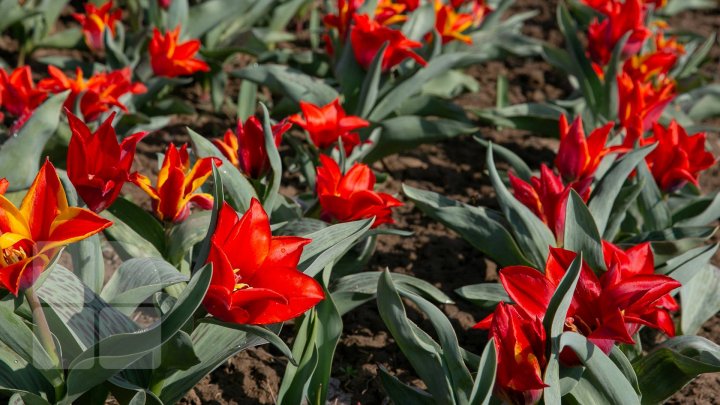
{"points": [[479, 9], [387, 12], [328, 123], [170, 58], [99, 93], [621, 17], [520, 343], [164, 3], [579, 157], [606, 310], [97, 165], [341, 21], [176, 185], [546, 196], [246, 150], [368, 36], [678, 157], [255, 277], [20, 96], [34, 234], [668, 45], [451, 24], [351, 197], [635, 267], [641, 103], [95, 21]]}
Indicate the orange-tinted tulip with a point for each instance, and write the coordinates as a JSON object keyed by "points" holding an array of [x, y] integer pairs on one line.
{"points": [[176, 185], [368, 36], [255, 277], [33, 234], [521, 343], [326, 124], [479, 9], [678, 157], [451, 24], [546, 196], [171, 59], [246, 150], [20, 96], [641, 103], [97, 165], [579, 156], [387, 12], [99, 93], [343, 19], [351, 197], [95, 21], [621, 17]]}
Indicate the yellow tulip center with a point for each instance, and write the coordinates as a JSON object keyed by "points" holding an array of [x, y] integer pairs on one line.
{"points": [[12, 255], [239, 286]]}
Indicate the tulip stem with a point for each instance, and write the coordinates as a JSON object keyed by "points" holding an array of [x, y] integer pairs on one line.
{"points": [[41, 325]]}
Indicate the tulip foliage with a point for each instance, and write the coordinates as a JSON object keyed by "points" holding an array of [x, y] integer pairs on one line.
{"points": [[127, 281]]}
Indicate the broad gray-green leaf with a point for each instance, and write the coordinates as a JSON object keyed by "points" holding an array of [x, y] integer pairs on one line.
{"points": [[610, 379], [20, 155], [581, 234], [120, 351], [136, 280], [485, 377], [452, 358], [539, 118], [655, 212], [289, 82], [330, 244], [273, 155], [209, 14], [355, 289], [371, 85], [686, 266], [677, 361], [139, 221], [533, 236], [402, 394], [183, 236], [18, 339], [608, 188], [76, 314], [413, 85], [127, 242], [483, 228], [213, 344], [522, 170], [406, 132], [424, 357], [701, 300], [484, 294]]}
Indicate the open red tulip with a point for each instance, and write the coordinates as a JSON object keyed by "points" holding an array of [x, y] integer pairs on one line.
{"points": [[351, 196], [97, 165], [255, 278], [171, 58]]}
